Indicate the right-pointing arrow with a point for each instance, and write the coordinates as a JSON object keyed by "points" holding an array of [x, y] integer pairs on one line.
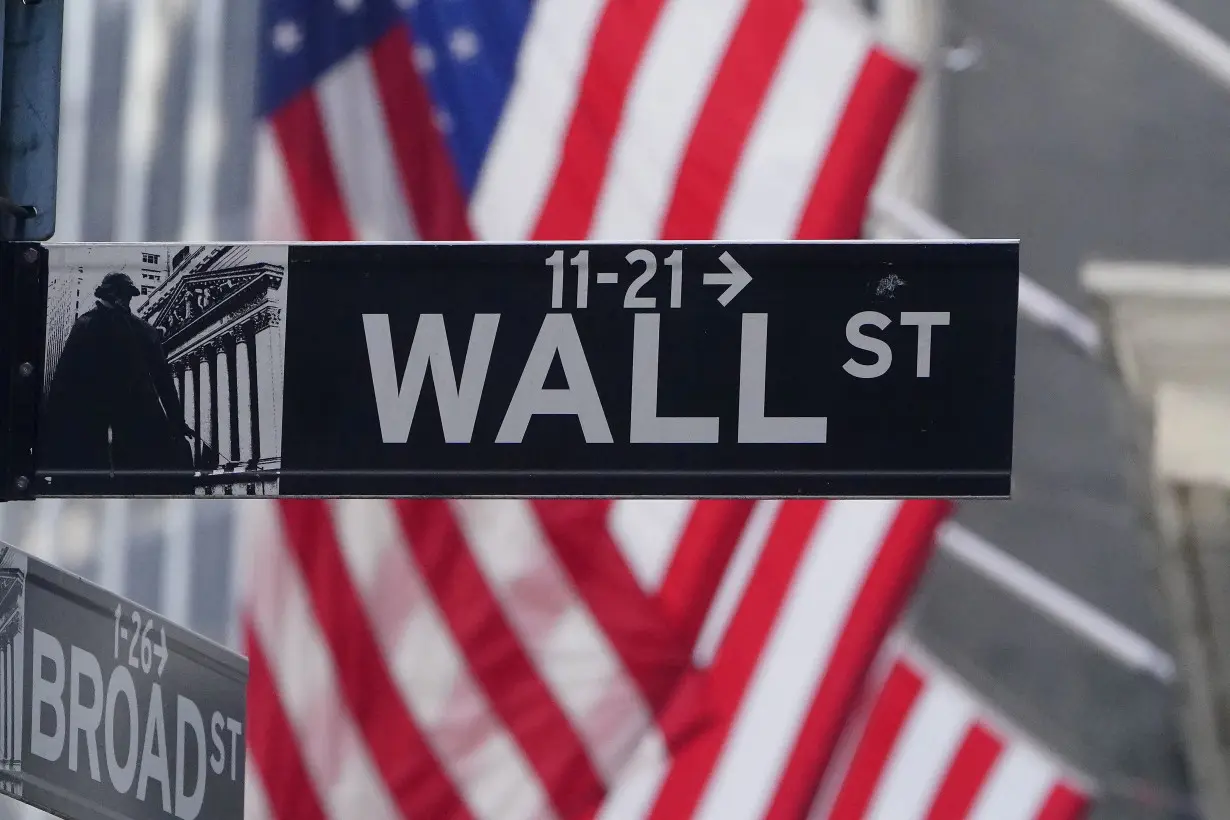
{"points": [[735, 279]]}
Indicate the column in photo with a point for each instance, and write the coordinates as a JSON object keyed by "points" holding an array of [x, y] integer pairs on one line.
{"points": [[8, 749], [208, 432], [243, 398], [267, 348], [192, 372], [220, 433], [187, 377], [226, 401]]}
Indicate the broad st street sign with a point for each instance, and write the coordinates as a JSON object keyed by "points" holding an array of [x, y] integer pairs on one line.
{"points": [[823, 369], [109, 711]]}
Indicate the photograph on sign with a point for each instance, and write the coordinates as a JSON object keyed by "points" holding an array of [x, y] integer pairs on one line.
{"points": [[163, 370], [821, 369], [109, 711]]}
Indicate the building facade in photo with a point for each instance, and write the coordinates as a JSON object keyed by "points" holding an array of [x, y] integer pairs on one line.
{"points": [[220, 313]]}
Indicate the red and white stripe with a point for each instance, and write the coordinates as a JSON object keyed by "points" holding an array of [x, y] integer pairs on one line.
{"points": [[674, 119], [805, 596], [357, 157], [925, 746], [553, 659]]}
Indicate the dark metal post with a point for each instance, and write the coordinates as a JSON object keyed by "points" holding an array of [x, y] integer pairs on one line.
{"points": [[30, 117], [23, 299]]}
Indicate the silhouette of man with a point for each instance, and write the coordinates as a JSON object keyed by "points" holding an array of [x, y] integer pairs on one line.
{"points": [[112, 414]]}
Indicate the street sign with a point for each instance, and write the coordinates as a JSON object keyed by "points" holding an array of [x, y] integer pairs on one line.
{"points": [[107, 710], [821, 369]]}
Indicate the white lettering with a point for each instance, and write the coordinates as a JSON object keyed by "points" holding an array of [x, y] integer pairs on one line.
{"points": [[217, 758], [154, 761], [236, 732], [121, 683], [84, 719], [647, 426], [557, 336], [47, 692], [59, 695], [188, 716], [458, 405], [925, 320], [754, 426], [856, 337]]}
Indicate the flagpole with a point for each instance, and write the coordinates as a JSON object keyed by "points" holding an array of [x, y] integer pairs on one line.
{"points": [[205, 116], [76, 68], [1185, 34], [1039, 305], [913, 28]]}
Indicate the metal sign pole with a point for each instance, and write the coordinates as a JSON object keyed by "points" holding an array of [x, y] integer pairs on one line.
{"points": [[1189, 38], [30, 117]]}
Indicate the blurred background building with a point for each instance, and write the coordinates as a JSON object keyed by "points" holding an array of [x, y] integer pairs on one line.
{"points": [[1056, 121]]}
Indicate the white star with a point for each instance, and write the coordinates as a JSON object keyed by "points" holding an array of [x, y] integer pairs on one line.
{"points": [[463, 43], [287, 37], [443, 120], [349, 6], [424, 58]]}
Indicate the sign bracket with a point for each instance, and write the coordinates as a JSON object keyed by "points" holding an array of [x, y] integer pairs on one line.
{"points": [[23, 299]]}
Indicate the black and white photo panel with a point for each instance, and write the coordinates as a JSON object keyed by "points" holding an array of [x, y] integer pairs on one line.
{"points": [[164, 370]]}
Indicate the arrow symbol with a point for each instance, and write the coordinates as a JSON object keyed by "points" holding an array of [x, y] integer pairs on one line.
{"points": [[736, 279], [161, 651]]}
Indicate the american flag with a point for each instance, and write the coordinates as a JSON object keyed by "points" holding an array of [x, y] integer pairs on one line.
{"points": [[572, 119], [503, 659], [157, 144], [923, 745], [567, 658]]}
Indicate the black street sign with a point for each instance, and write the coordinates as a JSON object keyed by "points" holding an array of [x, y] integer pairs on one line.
{"points": [[108, 711], [821, 369]]}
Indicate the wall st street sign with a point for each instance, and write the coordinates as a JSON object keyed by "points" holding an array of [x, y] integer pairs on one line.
{"points": [[109, 711], [835, 369]]}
